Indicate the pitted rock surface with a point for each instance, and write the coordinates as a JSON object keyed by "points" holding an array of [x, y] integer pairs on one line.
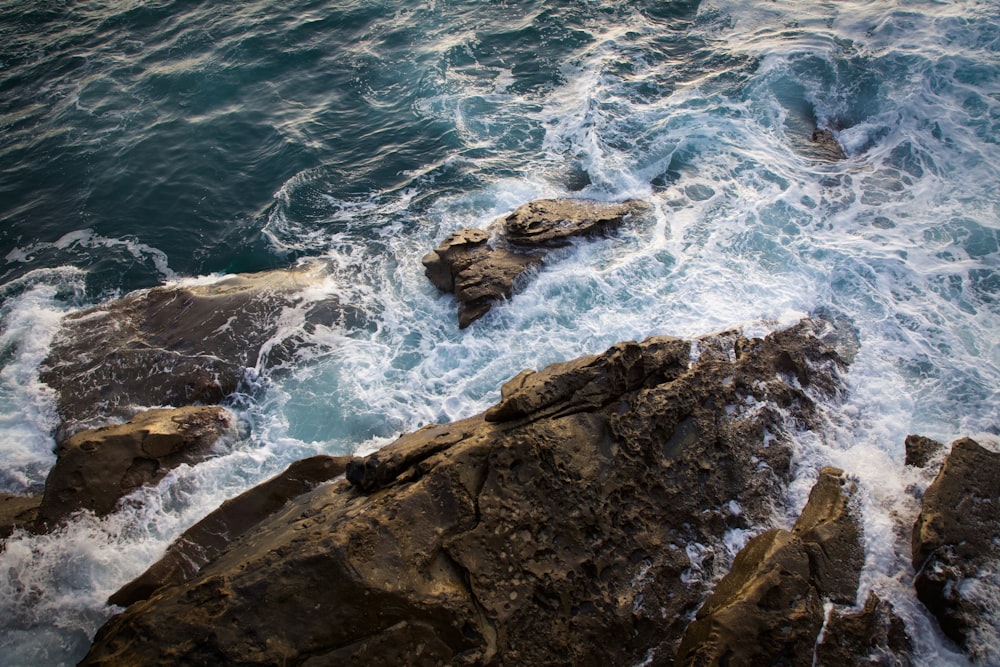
{"points": [[768, 610], [551, 529]]}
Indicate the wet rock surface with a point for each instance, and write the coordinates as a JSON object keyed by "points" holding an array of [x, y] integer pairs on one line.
{"points": [[552, 529], [552, 222], [872, 637], [768, 610], [478, 274], [18, 511], [174, 345], [480, 267], [824, 146], [956, 544], [208, 538], [920, 451], [94, 469]]}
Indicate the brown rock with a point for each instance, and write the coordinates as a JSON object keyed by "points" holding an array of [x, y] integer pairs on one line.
{"points": [[18, 511], [208, 538], [825, 146], [551, 531], [475, 272], [956, 541], [830, 530], [95, 469], [920, 451], [175, 345], [480, 272], [872, 637], [769, 609], [552, 222]]}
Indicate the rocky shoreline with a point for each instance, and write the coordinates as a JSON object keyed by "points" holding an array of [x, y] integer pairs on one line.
{"points": [[588, 517]]}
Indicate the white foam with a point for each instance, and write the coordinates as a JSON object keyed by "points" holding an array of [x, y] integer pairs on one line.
{"points": [[747, 232], [87, 238], [29, 317]]}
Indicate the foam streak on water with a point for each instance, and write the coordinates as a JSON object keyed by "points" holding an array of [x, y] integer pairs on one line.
{"points": [[361, 135]]}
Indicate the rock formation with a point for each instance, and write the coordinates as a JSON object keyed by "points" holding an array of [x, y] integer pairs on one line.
{"points": [[204, 541], [95, 469], [572, 523], [480, 268], [475, 272], [825, 146], [956, 544], [872, 637], [174, 345], [920, 450], [768, 610], [17, 511]]}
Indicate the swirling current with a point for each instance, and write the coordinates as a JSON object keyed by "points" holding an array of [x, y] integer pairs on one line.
{"points": [[152, 142]]}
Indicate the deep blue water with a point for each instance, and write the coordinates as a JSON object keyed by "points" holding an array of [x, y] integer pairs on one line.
{"points": [[149, 142]]}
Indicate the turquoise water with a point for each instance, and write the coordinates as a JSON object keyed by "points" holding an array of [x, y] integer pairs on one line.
{"points": [[143, 143]]}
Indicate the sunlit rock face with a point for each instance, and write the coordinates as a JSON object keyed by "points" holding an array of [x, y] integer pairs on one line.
{"points": [[574, 522], [769, 609], [95, 468]]}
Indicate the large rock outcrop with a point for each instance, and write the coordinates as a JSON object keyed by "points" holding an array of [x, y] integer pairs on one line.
{"points": [[175, 345], [480, 267], [768, 610], [94, 469], [573, 523], [956, 545]]}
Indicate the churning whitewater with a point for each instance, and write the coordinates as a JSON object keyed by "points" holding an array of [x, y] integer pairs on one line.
{"points": [[151, 143]]}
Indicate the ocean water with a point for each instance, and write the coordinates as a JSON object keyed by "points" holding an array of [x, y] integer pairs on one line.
{"points": [[152, 142]]}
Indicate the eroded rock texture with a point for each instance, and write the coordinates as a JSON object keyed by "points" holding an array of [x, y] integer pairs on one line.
{"points": [[872, 637], [825, 146], [480, 267], [95, 469], [956, 545], [553, 529], [768, 610], [174, 345]]}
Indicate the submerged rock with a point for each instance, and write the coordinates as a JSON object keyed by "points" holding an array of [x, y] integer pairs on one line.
{"points": [[558, 527], [204, 541], [769, 608], [175, 345], [956, 545], [95, 469], [480, 269]]}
